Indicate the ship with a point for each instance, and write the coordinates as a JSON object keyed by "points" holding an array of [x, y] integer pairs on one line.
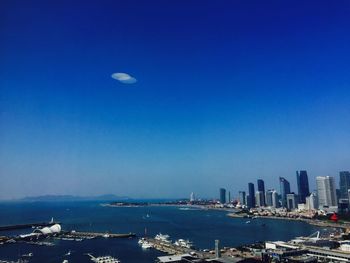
{"points": [[163, 238], [144, 243], [183, 243], [104, 259]]}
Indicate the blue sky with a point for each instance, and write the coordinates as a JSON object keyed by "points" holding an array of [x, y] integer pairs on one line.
{"points": [[226, 92]]}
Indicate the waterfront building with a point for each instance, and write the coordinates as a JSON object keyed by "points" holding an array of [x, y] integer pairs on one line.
{"points": [[344, 183], [268, 198], [242, 198], [229, 196], [217, 249], [192, 197], [326, 191], [292, 201], [251, 196], [343, 205], [275, 202], [303, 186], [261, 188], [312, 202], [259, 198], [337, 193], [285, 189], [222, 195]]}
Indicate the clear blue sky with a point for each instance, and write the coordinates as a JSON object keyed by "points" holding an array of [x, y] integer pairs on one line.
{"points": [[226, 92]]}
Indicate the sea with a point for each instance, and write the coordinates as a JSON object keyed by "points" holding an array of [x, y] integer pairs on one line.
{"points": [[198, 225]]}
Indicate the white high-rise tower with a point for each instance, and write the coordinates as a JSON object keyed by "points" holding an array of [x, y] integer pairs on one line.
{"points": [[326, 191], [192, 198]]}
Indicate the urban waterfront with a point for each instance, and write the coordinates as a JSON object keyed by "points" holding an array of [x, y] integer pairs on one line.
{"points": [[198, 225]]}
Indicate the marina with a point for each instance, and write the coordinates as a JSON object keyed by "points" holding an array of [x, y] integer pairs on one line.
{"points": [[80, 236]]}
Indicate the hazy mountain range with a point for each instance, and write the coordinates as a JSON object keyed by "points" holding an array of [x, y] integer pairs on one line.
{"points": [[65, 198]]}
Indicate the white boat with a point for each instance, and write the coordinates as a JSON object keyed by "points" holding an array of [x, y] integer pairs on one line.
{"points": [[248, 222], [28, 255], [146, 245], [162, 238], [142, 240], [68, 253], [106, 235], [183, 243], [104, 259]]}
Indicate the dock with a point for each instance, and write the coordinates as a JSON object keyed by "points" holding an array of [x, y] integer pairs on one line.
{"points": [[172, 249], [30, 225], [78, 234]]}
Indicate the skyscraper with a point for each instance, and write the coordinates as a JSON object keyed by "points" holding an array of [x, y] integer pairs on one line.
{"points": [[222, 195], [275, 202], [259, 198], [291, 201], [285, 189], [303, 186], [344, 183], [242, 198], [326, 191], [261, 188], [192, 198], [312, 202], [268, 197], [251, 197]]}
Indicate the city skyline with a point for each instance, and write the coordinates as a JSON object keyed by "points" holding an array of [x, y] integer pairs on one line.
{"points": [[161, 99]]}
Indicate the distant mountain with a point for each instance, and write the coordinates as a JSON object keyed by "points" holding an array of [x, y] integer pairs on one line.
{"points": [[65, 198]]}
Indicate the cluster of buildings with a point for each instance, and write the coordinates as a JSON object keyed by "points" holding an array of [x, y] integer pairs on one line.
{"points": [[326, 197]]}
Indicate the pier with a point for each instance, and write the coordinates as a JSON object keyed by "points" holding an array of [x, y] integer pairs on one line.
{"points": [[79, 234], [172, 249], [30, 225]]}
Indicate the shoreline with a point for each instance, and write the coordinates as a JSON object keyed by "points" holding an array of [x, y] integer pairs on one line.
{"points": [[314, 222], [231, 213]]}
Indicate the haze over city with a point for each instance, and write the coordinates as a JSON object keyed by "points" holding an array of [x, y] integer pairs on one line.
{"points": [[158, 99]]}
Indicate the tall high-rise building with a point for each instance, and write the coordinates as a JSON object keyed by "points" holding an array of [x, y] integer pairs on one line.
{"points": [[312, 202], [268, 197], [303, 186], [192, 197], [285, 189], [292, 201], [261, 188], [259, 198], [229, 196], [275, 202], [222, 195], [242, 198], [251, 197], [326, 191], [344, 183]]}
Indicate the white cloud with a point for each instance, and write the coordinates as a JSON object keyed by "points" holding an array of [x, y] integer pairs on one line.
{"points": [[124, 78]]}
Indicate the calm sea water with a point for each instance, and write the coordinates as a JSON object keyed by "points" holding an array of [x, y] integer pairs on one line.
{"points": [[200, 226]]}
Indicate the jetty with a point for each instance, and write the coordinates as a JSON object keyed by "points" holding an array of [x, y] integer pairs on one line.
{"points": [[29, 225], [172, 249], [78, 234]]}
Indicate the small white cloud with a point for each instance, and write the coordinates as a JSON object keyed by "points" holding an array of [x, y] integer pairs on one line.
{"points": [[124, 78]]}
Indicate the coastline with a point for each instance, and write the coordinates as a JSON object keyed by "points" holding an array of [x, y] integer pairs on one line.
{"points": [[231, 213], [308, 221]]}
